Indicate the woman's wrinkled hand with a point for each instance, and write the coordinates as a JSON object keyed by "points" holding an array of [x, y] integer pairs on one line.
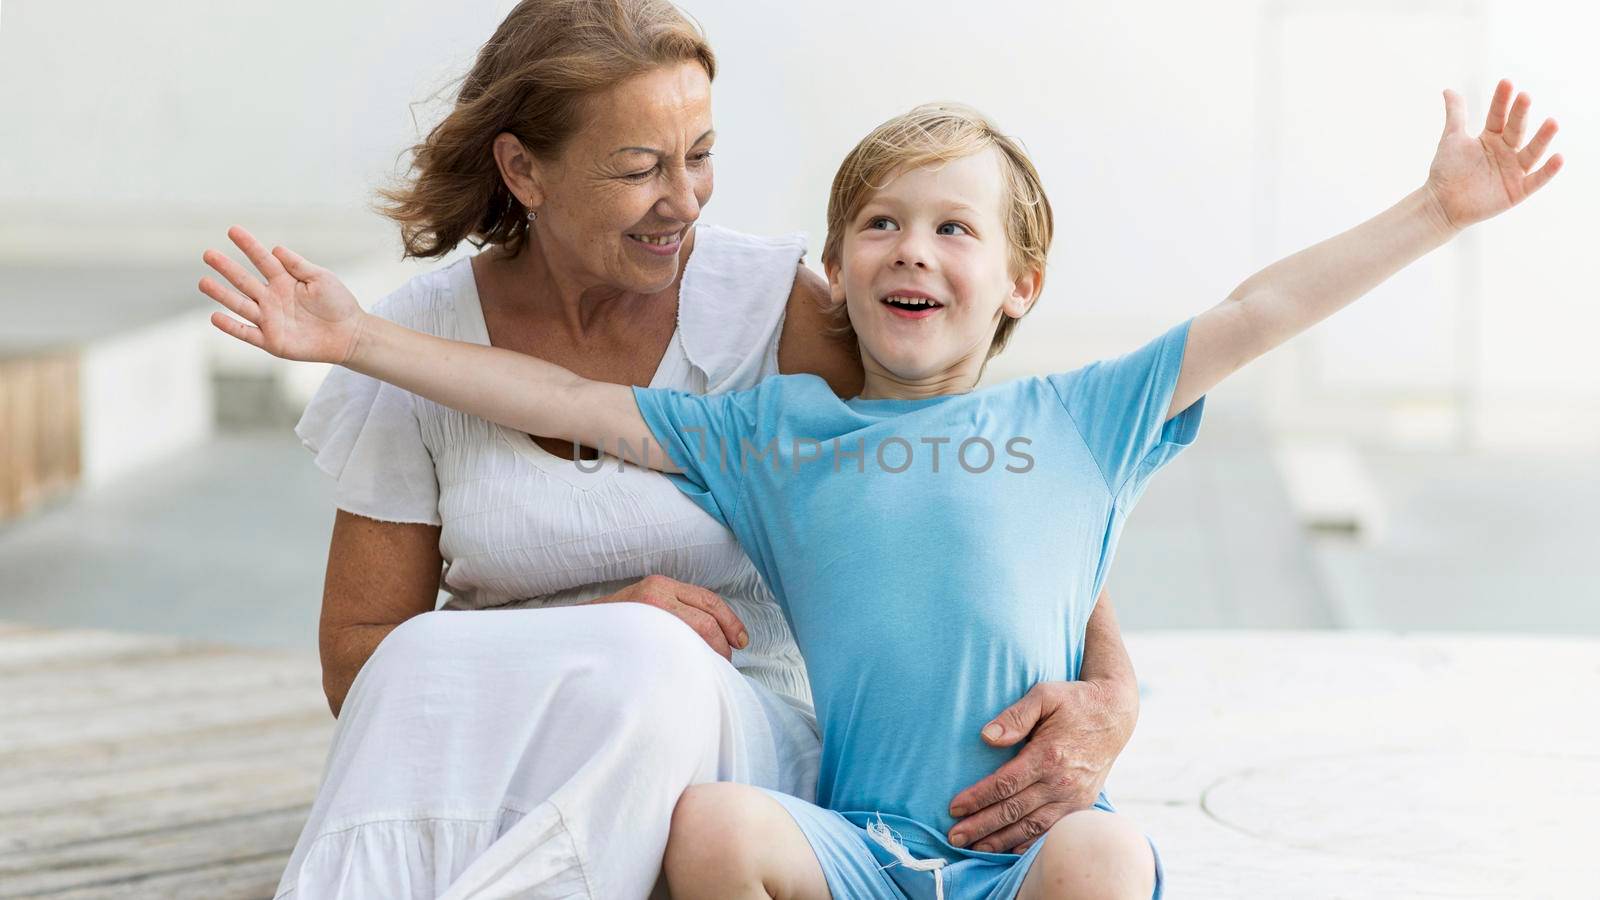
{"points": [[301, 312], [1074, 732], [708, 614], [1473, 178]]}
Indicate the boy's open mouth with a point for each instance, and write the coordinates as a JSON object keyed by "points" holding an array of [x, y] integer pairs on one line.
{"points": [[912, 304]]}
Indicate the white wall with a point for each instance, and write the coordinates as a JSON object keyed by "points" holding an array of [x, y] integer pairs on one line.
{"points": [[1147, 120], [145, 395]]}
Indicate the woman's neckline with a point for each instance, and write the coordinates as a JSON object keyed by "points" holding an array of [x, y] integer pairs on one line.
{"points": [[473, 326], [474, 321]]}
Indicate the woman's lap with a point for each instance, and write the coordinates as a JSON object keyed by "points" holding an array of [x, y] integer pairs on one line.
{"points": [[535, 752]]}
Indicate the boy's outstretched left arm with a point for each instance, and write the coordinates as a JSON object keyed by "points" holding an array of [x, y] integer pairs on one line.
{"points": [[1471, 179]]}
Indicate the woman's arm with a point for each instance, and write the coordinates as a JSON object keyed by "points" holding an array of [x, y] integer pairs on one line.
{"points": [[303, 312], [382, 573], [1074, 732], [1106, 663], [808, 344], [379, 575], [1471, 179]]}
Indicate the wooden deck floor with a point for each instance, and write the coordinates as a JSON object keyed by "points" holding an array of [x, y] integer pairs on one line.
{"points": [[137, 766], [1266, 764]]}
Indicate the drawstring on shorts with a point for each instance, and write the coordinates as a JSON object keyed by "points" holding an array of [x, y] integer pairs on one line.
{"points": [[884, 837]]}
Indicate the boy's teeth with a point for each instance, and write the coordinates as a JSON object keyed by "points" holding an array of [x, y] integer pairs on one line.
{"points": [[910, 301]]}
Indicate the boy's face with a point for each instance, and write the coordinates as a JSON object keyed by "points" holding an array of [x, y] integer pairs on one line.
{"points": [[931, 234]]}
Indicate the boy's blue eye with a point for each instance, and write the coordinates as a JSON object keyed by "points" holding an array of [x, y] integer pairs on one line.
{"points": [[952, 225], [875, 221]]}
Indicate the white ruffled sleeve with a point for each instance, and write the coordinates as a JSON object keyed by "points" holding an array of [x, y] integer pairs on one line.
{"points": [[732, 301], [365, 434]]}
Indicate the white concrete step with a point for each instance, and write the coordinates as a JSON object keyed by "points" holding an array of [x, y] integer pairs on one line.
{"points": [[1349, 764]]}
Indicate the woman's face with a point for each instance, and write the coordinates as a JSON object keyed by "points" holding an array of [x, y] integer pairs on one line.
{"points": [[617, 204]]}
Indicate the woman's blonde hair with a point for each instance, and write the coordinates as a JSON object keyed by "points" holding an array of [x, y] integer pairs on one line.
{"points": [[935, 133], [529, 80]]}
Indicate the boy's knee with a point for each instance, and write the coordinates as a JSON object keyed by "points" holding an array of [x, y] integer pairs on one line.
{"points": [[703, 811], [1095, 855], [713, 836]]}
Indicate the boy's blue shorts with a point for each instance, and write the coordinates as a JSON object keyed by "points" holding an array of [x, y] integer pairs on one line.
{"points": [[857, 868]]}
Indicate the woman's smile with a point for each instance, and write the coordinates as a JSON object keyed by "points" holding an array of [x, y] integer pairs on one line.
{"points": [[658, 243]]}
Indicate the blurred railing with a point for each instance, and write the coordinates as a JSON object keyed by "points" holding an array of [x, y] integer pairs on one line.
{"points": [[40, 428]]}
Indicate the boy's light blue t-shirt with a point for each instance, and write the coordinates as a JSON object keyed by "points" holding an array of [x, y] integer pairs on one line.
{"points": [[936, 558]]}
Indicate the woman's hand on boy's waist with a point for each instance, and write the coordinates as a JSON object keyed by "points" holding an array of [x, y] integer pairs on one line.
{"points": [[1074, 731]]}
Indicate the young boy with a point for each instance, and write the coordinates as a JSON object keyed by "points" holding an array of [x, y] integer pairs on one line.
{"points": [[936, 549]]}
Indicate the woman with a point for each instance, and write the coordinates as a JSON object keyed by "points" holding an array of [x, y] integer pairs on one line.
{"points": [[539, 750]]}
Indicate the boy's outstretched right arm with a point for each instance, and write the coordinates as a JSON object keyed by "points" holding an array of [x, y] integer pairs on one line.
{"points": [[303, 312], [1472, 178]]}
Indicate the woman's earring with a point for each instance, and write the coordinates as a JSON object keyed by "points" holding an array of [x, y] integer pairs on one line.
{"points": [[532, 215]]}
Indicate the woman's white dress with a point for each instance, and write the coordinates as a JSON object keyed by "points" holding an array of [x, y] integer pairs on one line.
{"points": [[536, 748]]}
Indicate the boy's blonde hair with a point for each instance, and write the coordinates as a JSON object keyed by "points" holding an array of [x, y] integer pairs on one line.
{"points": [[941, 132]]}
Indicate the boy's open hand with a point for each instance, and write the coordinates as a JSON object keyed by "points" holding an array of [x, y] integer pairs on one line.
{"points": [[1474, 178], [302, 311]]}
